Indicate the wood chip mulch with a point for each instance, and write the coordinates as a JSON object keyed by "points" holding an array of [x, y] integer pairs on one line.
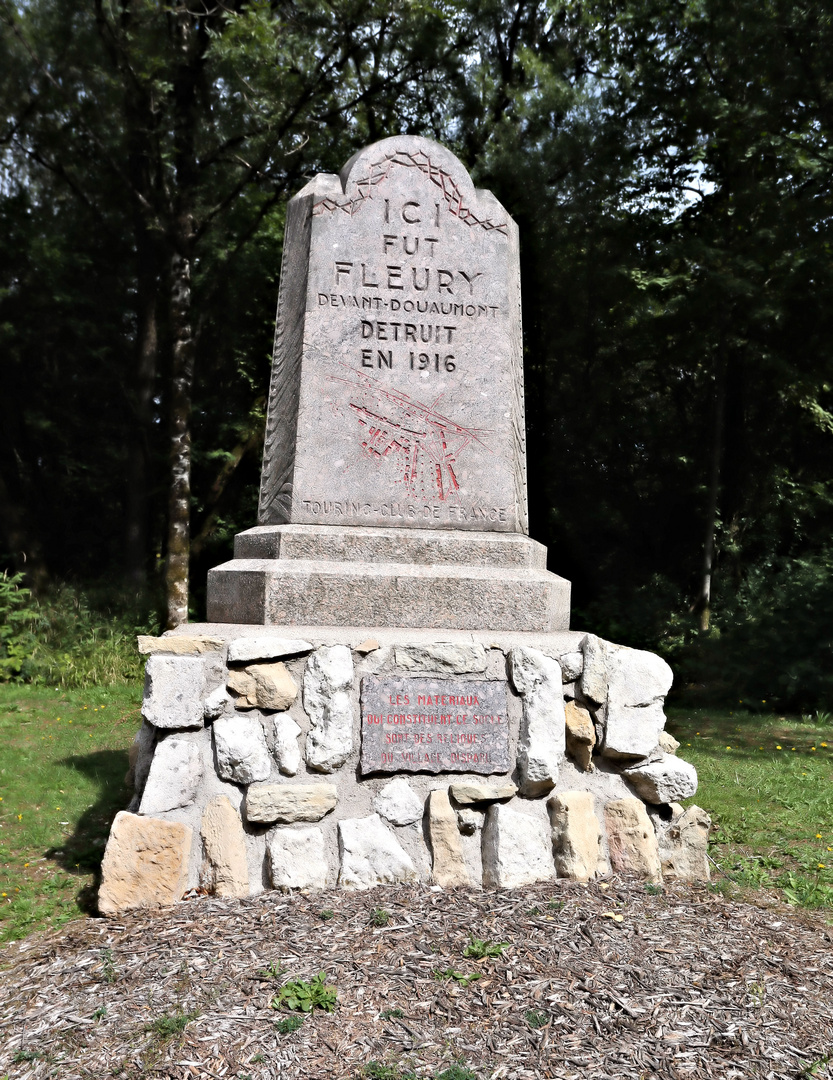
{"points": [[684, 984]]}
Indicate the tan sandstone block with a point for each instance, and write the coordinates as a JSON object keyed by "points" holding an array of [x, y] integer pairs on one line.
{"points": [[264, 686], [631, 839], [576, 836], [145, 864], [470, 792], [225, 870], [683, 845], [286, 803], [668, 743], [178, 645], [581, 735], [449, 868]]}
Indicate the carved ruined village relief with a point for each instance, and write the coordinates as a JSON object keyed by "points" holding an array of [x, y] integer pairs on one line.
{"points": [[397, 385]]}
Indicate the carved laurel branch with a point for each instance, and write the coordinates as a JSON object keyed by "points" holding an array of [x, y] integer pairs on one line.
{"points": [[380, 170]]}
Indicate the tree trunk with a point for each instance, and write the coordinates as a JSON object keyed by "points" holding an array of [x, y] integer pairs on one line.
{"points": [[702, 605]]}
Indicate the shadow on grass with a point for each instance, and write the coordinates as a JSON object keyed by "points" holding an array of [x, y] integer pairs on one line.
{"points": [[82, 851]]}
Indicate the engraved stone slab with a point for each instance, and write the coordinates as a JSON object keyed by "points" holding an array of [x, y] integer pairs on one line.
{"points": [[434, 725], [397, 382]]}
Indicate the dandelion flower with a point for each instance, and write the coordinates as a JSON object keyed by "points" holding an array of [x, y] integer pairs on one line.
{"points": [[777, 747], [25, 864], [813, 748], [818, 836], [2, 894], [821, 866], [823, 744]]}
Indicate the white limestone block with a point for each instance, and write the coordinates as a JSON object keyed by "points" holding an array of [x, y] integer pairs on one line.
{"points": [[287, 750], [442, 656], [541, 744], [242, 754], [665, 780], [327, 681], [297, 858], [517, 849], [266, 648], [371, 855], [174, 691], [398, 803], [174, 777]]}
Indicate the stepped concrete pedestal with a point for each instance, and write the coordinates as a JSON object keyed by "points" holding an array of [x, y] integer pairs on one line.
{"points": [[294, 575]]}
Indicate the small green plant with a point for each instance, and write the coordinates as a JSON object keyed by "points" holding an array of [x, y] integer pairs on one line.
{"points": [[391, 1014], [100, 1012], [326, 914], [536, 1018], [555, 905], [258, 1059], [273, 970], [380, 917], [287, 1024], [108, 967], [298, 995], [533, 911], [165, 1027], [376, 1070], [457, 976], [480, 949], [814, 1068], [24, 1055], [652, 889], [457, 1072]]}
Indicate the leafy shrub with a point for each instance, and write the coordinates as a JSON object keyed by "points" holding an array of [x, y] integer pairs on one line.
{"points": [[302, 996]]}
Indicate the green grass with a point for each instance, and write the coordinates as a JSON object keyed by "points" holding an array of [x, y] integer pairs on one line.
{"points": [[63, 756], [767, 782]]}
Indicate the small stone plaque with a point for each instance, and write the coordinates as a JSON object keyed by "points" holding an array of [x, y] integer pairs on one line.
{"points": [[434, 725]]}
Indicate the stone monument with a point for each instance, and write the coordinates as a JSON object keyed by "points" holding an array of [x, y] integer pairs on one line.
{"points": [[387, 689]]}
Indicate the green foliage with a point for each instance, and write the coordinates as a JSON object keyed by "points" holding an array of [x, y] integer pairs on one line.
{"points": [[457, 976], [376, 1070], [480, 949], [165, 1027], [17, 642], [765, 780], [379, 917], [391, 1014], [536, 1018], [457, 1072], [273, 970], [299, 995], [286, 1025], [326, 914]]}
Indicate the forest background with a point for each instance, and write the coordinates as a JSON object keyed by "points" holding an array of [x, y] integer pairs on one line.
{"points": [[669, 166]]}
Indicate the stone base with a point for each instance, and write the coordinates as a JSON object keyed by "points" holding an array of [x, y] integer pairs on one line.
{"points": [[289, 575], [267, 786]]}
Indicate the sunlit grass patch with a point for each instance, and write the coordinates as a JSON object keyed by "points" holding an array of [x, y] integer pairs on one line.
{"points": [[63, 756], [767, 781]]}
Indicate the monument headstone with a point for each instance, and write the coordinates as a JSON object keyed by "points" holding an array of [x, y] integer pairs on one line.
{"points": [[393, 489]]}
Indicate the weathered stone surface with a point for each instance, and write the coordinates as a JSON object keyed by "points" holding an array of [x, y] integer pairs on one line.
{"points": [[667, 743], [434, 725], [354, 432], [594, 669], [631, 839], [266, 648], [240, 748], [327, 680], [469, 821], [174, 691], [369, 645], [683, 845], [580, 735], [225, 869], [145, 864], [572, 664], [179, 645], [294, 593], [398, 803], [517, 849], [287, 749], [663, 781], [576, 836], [217, 703], [448, 867], [541, 744], [443, 657], [637, 684], [297, 859], [263, 686], [139, 757], [174, 777], [287, 803], [370, 855], [470, 792]]}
